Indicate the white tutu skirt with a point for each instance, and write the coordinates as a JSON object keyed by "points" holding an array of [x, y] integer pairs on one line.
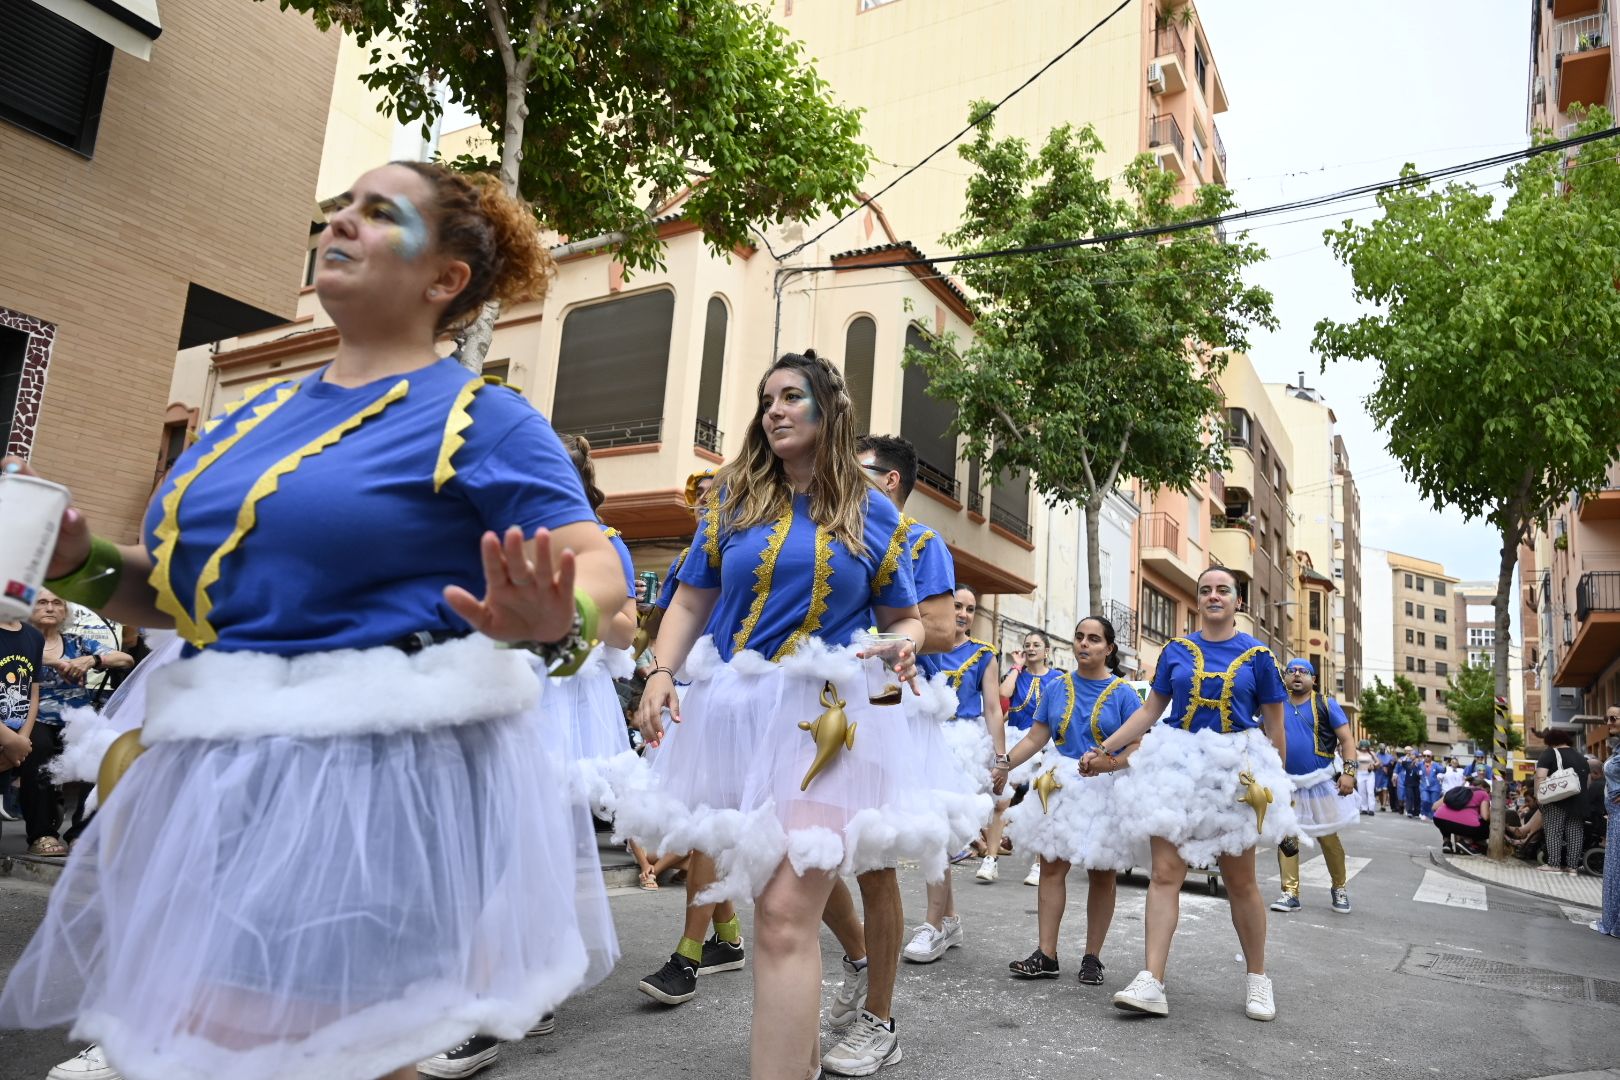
{"points": [[1321, 810], [321, 907], [730, 779], [1080, 825], [1029, 769], [960, 792], [1183, 786], [585, 720], [87, 734]]}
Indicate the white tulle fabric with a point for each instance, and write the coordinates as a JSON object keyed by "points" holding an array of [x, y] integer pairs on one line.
{"points": [[292, 907], [585, 710], [972, 754], [87, 734], [727, 780], [1081, 825], [1320, 808], [1183, 786], [961, 794]]}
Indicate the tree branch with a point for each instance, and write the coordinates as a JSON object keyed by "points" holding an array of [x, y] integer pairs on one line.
{"points": [[1017, 431], [1119, 458]]}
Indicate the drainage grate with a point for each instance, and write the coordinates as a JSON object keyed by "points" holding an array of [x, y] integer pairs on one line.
{"points": [[1431, 963]]}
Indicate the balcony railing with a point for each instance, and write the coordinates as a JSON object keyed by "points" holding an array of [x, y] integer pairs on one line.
{"points": [[1220, 147], [1164, 131], [975, 501], [936, 478], [1007, 519], [708, 435], [1579, 35], [621, 433], [1160, 530], [1167, 41], [1124, 620], [1597, 591], [1217, 487]]}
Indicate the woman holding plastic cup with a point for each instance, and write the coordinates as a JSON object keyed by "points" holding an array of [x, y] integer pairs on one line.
{"points": [[346, 846], [777, 763]]}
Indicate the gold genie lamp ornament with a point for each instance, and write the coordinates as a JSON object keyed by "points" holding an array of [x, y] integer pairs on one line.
{"points": [[1256, 796], [1044, 785], [116, 761], [831, 730]]}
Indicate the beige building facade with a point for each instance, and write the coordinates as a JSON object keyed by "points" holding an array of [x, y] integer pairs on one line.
{"points": [[156, 192], [1426, 647]]}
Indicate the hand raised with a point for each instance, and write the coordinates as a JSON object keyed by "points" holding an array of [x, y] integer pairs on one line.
{"points": [[526, 597]]}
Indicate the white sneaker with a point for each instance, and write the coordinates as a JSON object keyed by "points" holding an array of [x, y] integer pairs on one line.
{"points": [[869, 1045], [1261, 1005], [926, 945], [987, 870], [1145, 994], [849, 997], [951, 927], [1034, 875], [88, 1064]]}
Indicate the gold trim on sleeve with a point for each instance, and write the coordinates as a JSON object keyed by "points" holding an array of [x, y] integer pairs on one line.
{"points": [[1097, 708], [820, 588], [1068, 710], [459, 420], [891, 558]]}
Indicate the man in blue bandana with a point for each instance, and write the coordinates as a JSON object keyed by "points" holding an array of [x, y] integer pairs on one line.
{"points": [[1321, 761]]}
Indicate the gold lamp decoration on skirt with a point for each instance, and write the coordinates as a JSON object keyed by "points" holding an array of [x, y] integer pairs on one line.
{"points": [[831, 731], [1044, 785], [116, 762], [1255, 795]]}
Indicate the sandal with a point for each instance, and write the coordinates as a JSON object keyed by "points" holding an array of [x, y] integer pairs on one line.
{"points": [[48, 847], [648, 881]]}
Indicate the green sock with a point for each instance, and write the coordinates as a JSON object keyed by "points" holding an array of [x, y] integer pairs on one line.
{"points": [[692, 950], [729, 931]]}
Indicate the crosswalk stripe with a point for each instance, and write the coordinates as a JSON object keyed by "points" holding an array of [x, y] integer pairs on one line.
{"points": [[1438, 888], [1315, 872]]}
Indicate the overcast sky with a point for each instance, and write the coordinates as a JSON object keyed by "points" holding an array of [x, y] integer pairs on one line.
{"points": [[1328, 95]]}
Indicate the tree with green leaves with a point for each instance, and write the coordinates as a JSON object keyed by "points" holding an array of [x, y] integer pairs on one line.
{"points": [[1494, 336], [1091, 365], [602, 110], [1471, 701], [1393, 714]]}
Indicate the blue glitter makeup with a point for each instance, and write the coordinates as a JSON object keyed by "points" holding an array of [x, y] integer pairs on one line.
{"points": [[411, 235]]}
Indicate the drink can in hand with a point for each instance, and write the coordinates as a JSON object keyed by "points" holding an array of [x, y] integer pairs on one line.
{"points": [[31, 512]]}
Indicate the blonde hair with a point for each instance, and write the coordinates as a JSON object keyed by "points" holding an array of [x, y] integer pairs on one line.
{"points": [[753, 487]]}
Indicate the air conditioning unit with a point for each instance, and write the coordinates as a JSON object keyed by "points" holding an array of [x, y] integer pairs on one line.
{"points": [[1568, 698], [1155, 78]]}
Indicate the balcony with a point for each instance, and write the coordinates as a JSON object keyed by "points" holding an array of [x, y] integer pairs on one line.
{"points": [[1568, 9], [1168, 145], [1231, 543], [1604, 503], [1010, 521], [1595, 642], [1170, 57], [1217, 488], [1124, 621], [936, 479], [1240, 475], [708, 435], [622, 433], [1220, 153], [1161, 550], [1581, 55]]}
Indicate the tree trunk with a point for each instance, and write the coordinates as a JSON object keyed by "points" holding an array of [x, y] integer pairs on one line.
{"points": [[1504, 597], [1093, 509]]}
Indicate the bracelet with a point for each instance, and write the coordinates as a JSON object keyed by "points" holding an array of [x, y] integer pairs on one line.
{"points": [[664, 669], [566, 655], [96, 580], [1349, 768], [1004, 760]]}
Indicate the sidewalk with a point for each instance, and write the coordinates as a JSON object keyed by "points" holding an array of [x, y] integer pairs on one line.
{"points": [[1583, 890]]}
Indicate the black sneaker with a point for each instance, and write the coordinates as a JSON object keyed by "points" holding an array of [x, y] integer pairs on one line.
{"points": [[1091, 970], [721, 956], [545, 1025], [1037, 966], [473, 1056], [673, 984]]}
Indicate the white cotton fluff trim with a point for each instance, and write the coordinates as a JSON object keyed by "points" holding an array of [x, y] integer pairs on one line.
{"points": [[1083, 827], [965, 815], [86, 737], [603, 784], [225, 695], [935, 700], [618, 663], [1029, 769], [969, 743]]}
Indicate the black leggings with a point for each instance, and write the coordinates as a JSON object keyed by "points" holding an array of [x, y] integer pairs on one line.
{"points": [[41, 814], [1564, 830]]}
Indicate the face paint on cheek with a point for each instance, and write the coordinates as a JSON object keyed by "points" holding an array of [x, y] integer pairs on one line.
{"points": [[411, 234]]}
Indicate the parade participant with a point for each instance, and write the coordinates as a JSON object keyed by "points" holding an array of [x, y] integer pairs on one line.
{"points": [[1206, 785], [1324, 788], [862, 1005], [778, 765], [1068, 819], [1382, 786], [698, 486], [340, 849], [1429, 773], [977, 736], [1412, 785], [1022, 686], [1366, 768], [1609, 921]]}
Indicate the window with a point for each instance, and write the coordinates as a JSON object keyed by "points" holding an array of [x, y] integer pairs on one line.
{"points": [[868, 5], [500, 369], [1420, 611], [1419, 581], [1409, 607], [1338, 569], [1201, 67], [1265, 609], [1411, 636], [1481, 637], [1009, 504], [926, 421], [611, 369], [1338, 644], [1238, 427], [1316, 611], [1316, 661], [860, 351], [1440, 697], [1158, 614], [1439, 588], [1423, 639], [1411, 664], [975, 488], [13, 351], [1423, 693], [1198, 149], [1441, 642], [1441, 668], [1277, 480], [1423, 666], [53, 76], [1408, 581], [1338, 685], [1439, 614], [708, 434]]}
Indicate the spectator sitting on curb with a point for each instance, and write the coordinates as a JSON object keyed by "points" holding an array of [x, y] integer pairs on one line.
{"points": [[1465, 827]]}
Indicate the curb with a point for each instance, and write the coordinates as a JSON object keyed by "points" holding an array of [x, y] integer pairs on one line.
{"points": [[1441, 860], [29, 868]]}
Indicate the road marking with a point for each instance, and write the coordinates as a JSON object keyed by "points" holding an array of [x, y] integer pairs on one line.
{"points": [[1438, 888], [1315, 872]]}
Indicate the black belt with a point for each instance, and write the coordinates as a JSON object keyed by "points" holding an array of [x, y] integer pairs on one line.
{"points": [[414, 643]]}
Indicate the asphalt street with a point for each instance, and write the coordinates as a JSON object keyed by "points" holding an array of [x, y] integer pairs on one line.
{"points": [[1426, 977]]}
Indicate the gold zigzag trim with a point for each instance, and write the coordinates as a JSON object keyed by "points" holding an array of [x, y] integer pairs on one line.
{"points": [[267, 483], [891, 558], [1031, 699], [1097, 708], [922, 542], [763, 573], [955, 674], [459, 420], [167, 531], [711, 522], [820, 588], [234, 407], [1223, 704], [1068, 710]]}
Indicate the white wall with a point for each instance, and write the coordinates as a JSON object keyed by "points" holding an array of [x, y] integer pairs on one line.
{"points": [[1377, 618]]}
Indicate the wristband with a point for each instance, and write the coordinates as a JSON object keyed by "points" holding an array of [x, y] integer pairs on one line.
{"points": [[96, 580], [1349, 768], [565, 655], [664, 669]]}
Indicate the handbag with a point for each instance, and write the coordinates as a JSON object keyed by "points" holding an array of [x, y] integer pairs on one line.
{"points": [[1560, 784]]}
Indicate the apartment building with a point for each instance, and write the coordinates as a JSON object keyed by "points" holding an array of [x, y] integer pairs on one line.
{"points": [[1570, 62], [1425, 647], [157, 176], [1326, 515], [1529, 676]]}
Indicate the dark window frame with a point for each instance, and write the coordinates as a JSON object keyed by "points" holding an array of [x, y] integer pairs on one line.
{"points": [[588, 400], [41, 34]]}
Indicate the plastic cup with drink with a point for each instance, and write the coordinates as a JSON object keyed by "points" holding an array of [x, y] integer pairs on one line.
{"points": [[880, 654]]}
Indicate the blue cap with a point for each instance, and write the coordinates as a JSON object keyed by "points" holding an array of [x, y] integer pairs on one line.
{"points": [[1301, 662]]}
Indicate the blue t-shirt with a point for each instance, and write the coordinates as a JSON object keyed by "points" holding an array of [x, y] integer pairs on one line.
{"points": [[1431, 772], [789, 580], [1311, 739], [666, 591], [932, 567], [1234, 678], [964, 665], [625, 562], [56, 694], [1028, 691], [1082, 712], [312, 516]]}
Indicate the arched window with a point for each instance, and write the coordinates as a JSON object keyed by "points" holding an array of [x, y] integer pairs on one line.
{"points": [[926, 422], [611, 369], [860, 348], [708, 434]]}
